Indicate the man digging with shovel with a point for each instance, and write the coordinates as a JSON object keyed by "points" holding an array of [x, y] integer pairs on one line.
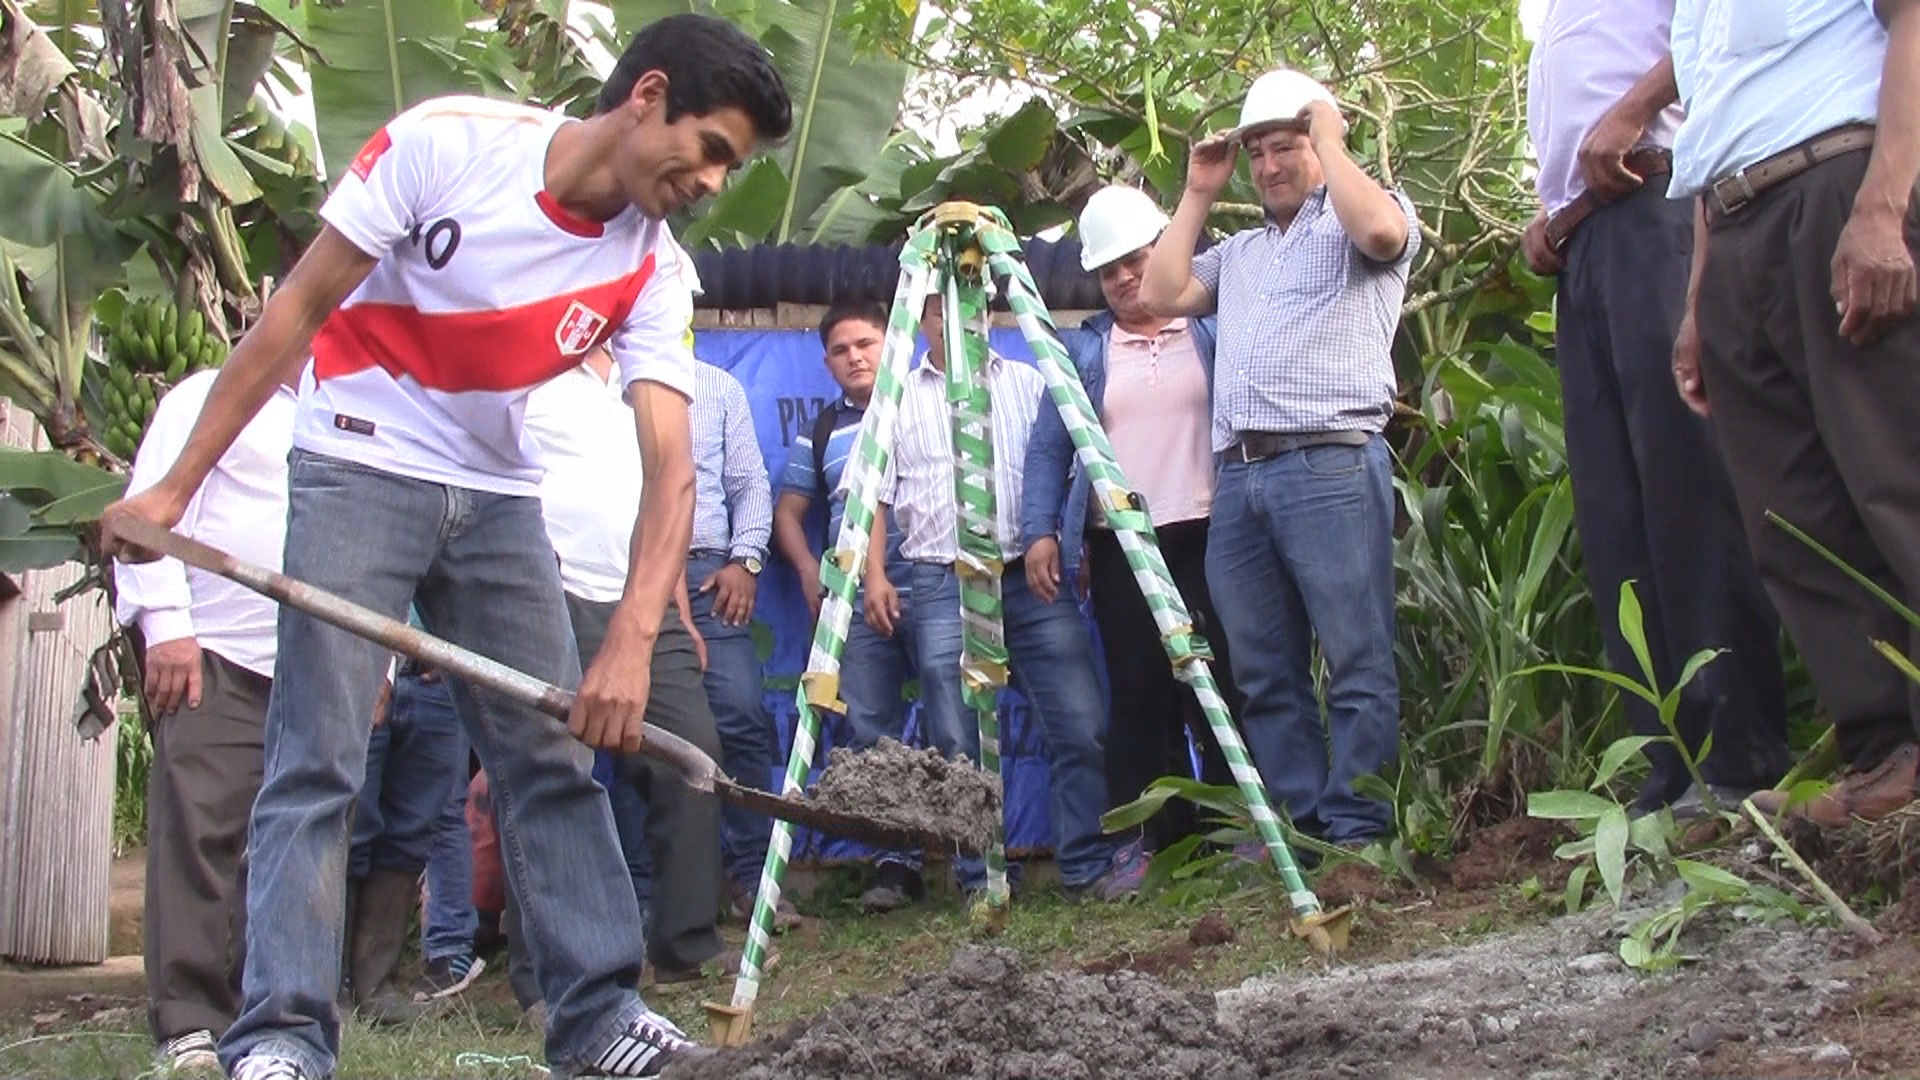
{"points": [[473, 250]]}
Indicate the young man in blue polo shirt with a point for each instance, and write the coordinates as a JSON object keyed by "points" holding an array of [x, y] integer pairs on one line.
{"points": [[873, 667]]}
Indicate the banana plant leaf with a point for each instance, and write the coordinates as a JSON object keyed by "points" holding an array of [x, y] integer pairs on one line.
{"points": [[376, 58], [844, 105]]}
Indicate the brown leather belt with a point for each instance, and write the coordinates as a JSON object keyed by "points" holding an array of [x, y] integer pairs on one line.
{"points": [[1729, 193], [1646, 162], [1254, 446]]}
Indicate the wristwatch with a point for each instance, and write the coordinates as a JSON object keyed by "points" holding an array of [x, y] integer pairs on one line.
{"points": [[747, 562]]}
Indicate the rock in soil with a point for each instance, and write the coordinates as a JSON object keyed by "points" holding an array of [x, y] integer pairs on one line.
{"points": [[914, 789]]}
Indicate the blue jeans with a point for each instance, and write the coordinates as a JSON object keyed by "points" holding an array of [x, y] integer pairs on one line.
{"points": [[873, 671], [449, 923], [482, 574], [736, 690], [411, 763], [1301, 547], [630, 822], [1052, 664]]}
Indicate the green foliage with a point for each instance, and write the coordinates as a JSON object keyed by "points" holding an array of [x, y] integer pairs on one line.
{"points": [[133, 763], [1491, 583], [44, 495], [845, 102], [376, 58]]}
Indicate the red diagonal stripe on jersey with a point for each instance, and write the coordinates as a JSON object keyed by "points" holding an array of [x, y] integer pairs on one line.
{"points": [[502, 349]]}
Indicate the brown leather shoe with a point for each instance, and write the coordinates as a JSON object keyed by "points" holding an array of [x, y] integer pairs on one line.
{"points": [[1866, 796]]}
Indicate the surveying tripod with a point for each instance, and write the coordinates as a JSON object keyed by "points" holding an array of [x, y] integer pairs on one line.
{"points": [[950, 254]]}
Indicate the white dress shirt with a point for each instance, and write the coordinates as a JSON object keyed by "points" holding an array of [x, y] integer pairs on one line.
{"points": [[919, 482], [586, 440], [1589, 54], [1758, 77], [241, 509]]}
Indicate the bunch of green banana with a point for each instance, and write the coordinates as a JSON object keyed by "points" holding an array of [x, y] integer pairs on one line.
{"points": [[269, 135], [153, 347]]}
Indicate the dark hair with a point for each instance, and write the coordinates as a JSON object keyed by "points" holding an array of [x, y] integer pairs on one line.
{"points": [[848, 310], [709, 64]]}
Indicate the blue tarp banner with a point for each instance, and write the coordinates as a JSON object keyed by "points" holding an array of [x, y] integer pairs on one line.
{"points": [[787, 385]]}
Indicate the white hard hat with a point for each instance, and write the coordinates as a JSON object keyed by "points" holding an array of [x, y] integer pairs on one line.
{"points": [[1117, 222], [1279, 97]]}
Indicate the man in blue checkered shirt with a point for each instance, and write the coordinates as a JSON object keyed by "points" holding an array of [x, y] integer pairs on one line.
{"points": [[1301, 543]]}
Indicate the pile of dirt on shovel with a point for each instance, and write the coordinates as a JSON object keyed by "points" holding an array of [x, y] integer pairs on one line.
{"points": [[917, 789]]}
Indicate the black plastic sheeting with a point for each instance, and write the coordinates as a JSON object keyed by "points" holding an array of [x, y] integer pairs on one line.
{"points": [[767, 276]]}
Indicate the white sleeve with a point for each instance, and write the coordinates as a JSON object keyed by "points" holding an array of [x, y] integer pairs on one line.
{"points": [[155, 594], [655, 343], [394, 182]]}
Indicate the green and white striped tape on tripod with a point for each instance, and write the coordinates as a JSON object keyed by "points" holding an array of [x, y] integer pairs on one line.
{"points": [[1134, 529], [839, 574], [983, 649]]}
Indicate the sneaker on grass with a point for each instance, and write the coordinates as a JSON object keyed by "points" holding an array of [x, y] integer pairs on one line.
{"points": [[647, 1047], [189, 1055], [447, 976]]}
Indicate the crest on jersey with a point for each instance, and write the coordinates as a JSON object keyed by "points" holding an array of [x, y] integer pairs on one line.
{"points": [[579, 328]]}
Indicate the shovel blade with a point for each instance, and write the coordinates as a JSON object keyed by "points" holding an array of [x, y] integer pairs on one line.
{"points": [[878, 832]]}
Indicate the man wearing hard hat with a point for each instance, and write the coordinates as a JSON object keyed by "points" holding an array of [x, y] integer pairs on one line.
{"points": [[1301, 543], [1149, 379], [1650, 494]]}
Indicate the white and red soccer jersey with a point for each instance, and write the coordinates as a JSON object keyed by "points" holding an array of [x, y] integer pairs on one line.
{"points": [[485, 289]]}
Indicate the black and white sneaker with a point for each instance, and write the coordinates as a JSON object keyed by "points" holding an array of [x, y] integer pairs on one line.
{"points": [[189, 1055], [648, 1045]]}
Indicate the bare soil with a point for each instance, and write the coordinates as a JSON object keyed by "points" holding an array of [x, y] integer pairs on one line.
{"points": [[1551, 1001], [917, 790]]}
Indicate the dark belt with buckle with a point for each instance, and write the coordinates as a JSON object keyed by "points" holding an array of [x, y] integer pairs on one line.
{"points": [[1254, 446], [1646, 162], [1729, 193]]}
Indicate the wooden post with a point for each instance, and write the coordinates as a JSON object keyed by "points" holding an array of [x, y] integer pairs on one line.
{"points": [[56, 791]]}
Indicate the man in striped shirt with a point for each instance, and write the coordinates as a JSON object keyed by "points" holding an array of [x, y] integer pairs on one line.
{"points": [[1047, 642]]}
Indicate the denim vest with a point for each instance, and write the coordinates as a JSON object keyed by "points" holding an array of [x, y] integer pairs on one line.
{"points": [[1057, 488]]}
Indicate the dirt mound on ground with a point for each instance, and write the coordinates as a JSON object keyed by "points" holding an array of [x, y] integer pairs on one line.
{"points": [[986, 1017], [1550, 1002]]}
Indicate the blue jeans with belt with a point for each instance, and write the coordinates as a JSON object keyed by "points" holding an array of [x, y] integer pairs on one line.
{"points": [[479, 568], [1052, 661], [1301, 549]]}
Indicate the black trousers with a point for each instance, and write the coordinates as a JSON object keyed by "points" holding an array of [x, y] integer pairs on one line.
{"points": [[1825, 434], [683, 825], [207, 764], [1653, 503], [1152, 711]]}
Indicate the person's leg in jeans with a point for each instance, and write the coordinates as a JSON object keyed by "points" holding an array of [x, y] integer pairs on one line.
{"points": [[736, 691], [952, 728], [449, 922], [205, 774], [1052, 660], [630, 823], [495, 589], [326, 681], [683, 827], [1331, 510], [1264, 620], [873, 669]]}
